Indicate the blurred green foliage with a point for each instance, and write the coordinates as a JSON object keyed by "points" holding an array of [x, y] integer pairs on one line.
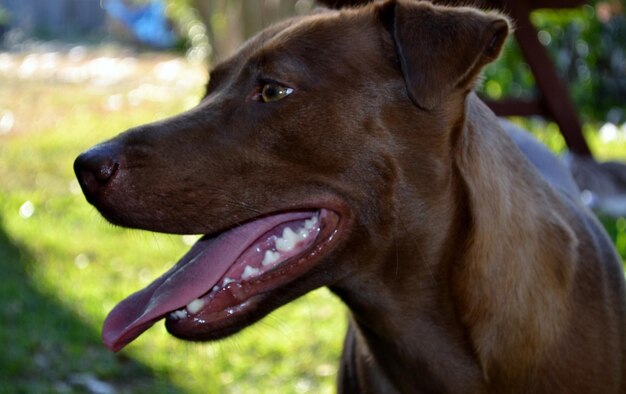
{"points": [[4, 16], [588, 47]]}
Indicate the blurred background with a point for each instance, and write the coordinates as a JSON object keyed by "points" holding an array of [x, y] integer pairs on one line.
{"points": [[76, 72]]}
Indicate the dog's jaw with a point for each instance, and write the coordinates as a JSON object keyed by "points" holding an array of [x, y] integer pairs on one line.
{"points": [[219, 286]]}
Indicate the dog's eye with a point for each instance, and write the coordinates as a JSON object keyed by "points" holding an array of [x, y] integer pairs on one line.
{"points": [[273, 92]]}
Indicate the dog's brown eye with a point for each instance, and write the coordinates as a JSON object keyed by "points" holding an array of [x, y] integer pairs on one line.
{"points": [[274, 92]]}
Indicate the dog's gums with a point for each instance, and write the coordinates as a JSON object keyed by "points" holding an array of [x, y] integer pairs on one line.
{"points": [[222, 276]]}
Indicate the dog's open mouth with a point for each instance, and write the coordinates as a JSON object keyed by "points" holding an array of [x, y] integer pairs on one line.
{"points": [[224, 276]]}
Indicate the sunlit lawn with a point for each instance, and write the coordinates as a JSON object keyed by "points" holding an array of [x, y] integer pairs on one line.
{"points": [[63, 267]]}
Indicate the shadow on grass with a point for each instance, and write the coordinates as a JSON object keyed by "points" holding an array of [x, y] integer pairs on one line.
{"points": [[45, 347]]}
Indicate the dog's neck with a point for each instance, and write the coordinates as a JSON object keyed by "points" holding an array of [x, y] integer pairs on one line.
{"points": [[512, 209], [416, 312]]}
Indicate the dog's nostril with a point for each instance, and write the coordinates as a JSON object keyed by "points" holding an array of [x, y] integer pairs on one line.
{"points": [[95, 168], [105, 170]]}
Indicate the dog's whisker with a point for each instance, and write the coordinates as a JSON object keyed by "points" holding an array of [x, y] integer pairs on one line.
{"points": [[278, 325], [245, 206]]}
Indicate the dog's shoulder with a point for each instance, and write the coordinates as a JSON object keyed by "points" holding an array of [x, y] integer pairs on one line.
{"points": [[550, 167]]}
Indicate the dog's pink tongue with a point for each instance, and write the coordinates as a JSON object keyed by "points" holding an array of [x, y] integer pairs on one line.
{"points": [[194, 275]]}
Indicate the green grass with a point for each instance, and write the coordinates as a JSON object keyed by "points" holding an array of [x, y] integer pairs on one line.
{"points": [[64, 268]]}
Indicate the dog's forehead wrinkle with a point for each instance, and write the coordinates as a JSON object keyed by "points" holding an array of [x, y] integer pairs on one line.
{"points": [[219, 73], [324, 38], [299, 26]]}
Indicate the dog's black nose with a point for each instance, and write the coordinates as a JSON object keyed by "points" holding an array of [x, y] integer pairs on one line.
{"points": [[96, 168]]}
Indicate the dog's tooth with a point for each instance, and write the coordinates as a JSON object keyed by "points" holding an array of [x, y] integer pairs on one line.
{"points": [[216, 288], [303, 233], [284, 245], [195, 305], [288, 240], [288, 233], [227, 281], [250, 272], [310, 223], [181, 314], [270, 258]]}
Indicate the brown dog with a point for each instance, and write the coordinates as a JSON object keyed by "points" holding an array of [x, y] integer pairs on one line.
{"points": [[347, 150]]}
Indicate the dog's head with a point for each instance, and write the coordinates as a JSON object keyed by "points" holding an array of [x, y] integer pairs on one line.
{"points": [[298, 163]]}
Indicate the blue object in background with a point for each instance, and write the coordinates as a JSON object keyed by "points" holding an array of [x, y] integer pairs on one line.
{"points": [[55, 19], [148, 22]]}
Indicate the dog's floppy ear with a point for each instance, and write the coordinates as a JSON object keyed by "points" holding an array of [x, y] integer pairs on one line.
{"points": [[441, 48]]}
